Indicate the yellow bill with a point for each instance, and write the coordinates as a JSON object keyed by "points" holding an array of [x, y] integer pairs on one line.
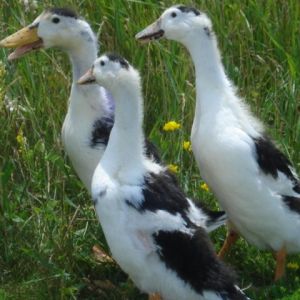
{"points": [[26, 35], [24, 40]]}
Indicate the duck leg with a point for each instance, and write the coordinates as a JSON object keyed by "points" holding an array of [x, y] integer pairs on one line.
{"points": [[155, 296], [231, 238], [280, 263]]}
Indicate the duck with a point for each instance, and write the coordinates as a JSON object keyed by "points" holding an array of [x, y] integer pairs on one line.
{"points": [[90, 112], [149, 223], [89, 117], [253, 180]]}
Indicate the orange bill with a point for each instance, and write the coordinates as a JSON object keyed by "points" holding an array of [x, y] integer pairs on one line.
{"points": [[87, 78]]}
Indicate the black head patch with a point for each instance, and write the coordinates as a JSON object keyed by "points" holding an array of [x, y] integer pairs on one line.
{"points": [[187, 9], [117, 58], [64, 11]]}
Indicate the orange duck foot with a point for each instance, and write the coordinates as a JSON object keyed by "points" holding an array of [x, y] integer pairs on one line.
{"points": [[280, 263], [231, 238]]}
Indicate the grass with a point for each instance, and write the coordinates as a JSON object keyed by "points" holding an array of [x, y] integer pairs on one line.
{"points": [[47, 223]]}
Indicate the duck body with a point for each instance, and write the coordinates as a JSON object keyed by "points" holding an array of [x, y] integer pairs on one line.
{"points": [[155, 233], [86, 129], [250, 178], [162, 250]]}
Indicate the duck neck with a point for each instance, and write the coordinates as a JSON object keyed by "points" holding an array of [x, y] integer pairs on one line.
{"points": [[126, 142], [90, 100], [82, 57], [211, 80]]}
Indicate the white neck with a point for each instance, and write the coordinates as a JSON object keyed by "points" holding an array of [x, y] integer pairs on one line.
{"points": [[214, 91], [82, 57], [211, 80], [89, 99], [125, 148]]}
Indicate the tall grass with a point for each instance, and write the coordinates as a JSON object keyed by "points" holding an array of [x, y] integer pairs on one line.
{"points": [[47, 222]]}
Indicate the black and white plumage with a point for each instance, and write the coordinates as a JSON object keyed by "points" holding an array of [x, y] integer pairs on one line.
{"points": [[254, 182], [155, 233], [90, 114]]}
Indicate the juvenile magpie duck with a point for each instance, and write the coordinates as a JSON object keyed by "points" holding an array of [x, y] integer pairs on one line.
{"points": [[90, 114], [253, 180], [155, 233]]}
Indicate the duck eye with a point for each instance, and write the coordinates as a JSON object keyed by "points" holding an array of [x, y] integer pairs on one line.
{"points": [[55, 20], [173, 15], [102, 63]]}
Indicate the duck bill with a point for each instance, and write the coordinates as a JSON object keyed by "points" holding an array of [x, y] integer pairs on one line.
{"points": [[150, 33], [24, 40], [87, 78], [24, 36]]}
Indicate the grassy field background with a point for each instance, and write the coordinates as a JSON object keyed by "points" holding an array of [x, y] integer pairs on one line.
{"points": [[47, 222]]}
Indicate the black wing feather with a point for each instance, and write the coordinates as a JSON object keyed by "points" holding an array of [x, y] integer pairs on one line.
{"points": [[193, 259], [271, 160]]}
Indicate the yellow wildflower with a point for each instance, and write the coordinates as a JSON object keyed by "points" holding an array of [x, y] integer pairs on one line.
{"points": [[187, 145], [173, 168], [293, 265], [171, 126], [204, 187]]}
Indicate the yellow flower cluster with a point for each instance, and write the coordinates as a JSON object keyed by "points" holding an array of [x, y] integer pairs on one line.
{"points": [[204, 187], [173, 168], [171, 126], [293, 266], [187, 145]]}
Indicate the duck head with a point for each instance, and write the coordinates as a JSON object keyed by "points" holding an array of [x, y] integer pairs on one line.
{"points": [[55, 27]]}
